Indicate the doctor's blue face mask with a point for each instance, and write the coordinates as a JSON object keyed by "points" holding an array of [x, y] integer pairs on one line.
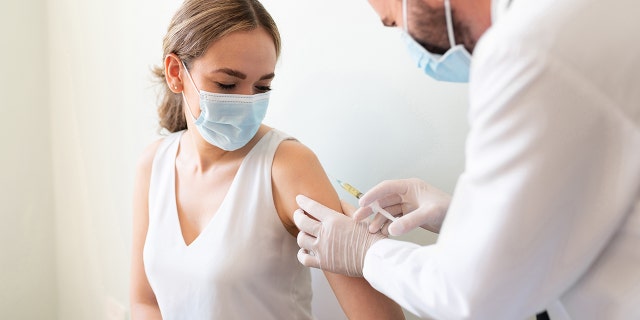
{"points": [[228, 121], [452, 66]]}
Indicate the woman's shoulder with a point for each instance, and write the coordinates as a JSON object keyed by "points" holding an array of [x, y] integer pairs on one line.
{"points": [[295, 166], [145, 159], [289, 150], [293, 153]]}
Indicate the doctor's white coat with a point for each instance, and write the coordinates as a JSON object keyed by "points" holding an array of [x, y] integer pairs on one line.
{"points": [[547, 212]]}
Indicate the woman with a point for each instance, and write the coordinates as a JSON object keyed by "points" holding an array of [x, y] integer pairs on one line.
{"points": [[213, 233]]}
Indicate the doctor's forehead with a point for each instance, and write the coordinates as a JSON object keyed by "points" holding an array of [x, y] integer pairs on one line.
{"points": [[389, 11]]}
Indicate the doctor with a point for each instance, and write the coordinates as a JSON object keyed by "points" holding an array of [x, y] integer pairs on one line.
{"points": [[547, 212]]}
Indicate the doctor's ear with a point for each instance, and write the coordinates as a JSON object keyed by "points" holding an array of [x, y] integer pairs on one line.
{"points": [[172, 71]]}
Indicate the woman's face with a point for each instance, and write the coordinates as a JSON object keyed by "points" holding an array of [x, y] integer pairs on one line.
{"points": [[242, 62]]}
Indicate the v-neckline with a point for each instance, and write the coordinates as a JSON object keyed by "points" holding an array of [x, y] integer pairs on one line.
{"points": [[222, 204]]}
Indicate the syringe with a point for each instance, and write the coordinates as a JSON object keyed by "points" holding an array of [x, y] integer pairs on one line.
{"points": [[375, 206], [351, 189]]}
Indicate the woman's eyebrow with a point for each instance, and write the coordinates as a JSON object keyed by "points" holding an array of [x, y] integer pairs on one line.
{"points": [[238, 74], [231, 72], [268, 76]]}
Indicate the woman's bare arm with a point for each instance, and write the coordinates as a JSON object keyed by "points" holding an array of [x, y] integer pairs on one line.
{"points": [[143, 300], [296, 170]]}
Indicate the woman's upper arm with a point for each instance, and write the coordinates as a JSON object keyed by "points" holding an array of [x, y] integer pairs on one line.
{"points": [[143, 301], [297, 170]]}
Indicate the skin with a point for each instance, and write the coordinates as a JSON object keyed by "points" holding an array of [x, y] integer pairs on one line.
{"points": [[231, 66], [471, 19]]}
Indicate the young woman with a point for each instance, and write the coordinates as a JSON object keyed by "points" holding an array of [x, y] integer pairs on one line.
{"points": [[213, 231]]}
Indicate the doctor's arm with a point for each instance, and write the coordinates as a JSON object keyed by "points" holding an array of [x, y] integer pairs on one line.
{"points": [[143, 300], [296, 170], [540, 198]]}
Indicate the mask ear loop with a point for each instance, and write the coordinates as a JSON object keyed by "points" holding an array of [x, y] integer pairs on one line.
{"points": [[194, 85], [404, 16], [447, 13]]}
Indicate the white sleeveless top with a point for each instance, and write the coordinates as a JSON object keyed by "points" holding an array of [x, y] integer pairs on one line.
{"points": [[243, 265]]}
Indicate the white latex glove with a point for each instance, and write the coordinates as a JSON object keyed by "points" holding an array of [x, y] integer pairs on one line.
{"points": [[332, 242], [416, 203]]}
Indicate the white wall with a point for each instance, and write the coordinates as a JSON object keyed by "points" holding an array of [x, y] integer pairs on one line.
{"points": [[344, 87], [27, 258], [103, 114]]}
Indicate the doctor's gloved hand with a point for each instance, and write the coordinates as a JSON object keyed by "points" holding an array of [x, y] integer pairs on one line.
{"points": [[413, 201], [330, 240]]}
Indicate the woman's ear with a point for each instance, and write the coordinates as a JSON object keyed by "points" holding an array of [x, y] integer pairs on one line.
{"points": [[172, 66]]}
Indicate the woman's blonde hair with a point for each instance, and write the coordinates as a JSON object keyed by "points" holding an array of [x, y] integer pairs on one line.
{"points": [[196, 25]]}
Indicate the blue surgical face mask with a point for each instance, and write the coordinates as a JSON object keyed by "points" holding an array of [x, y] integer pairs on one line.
{"points": [[453, 66], [228, 121]]}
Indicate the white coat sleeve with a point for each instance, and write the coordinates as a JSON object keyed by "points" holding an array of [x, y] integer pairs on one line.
{"points": [[541, 195]]}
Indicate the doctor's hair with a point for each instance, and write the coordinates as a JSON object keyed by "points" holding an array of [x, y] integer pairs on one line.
{"points": [[193, 28]]}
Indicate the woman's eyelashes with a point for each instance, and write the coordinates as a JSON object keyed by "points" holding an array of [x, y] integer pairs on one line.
{"points": [[224, 86], [262, 89], [232, 86]]}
